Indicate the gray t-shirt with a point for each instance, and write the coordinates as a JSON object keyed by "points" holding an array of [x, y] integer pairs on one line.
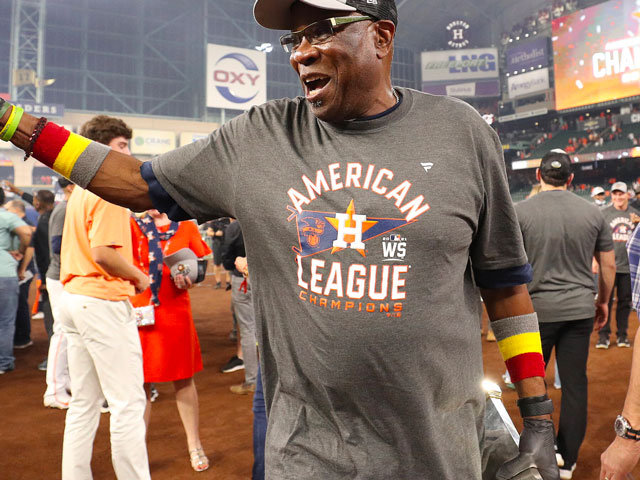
{"points": [[561, 232], [359, 238], [56, 226], [622, 228]]}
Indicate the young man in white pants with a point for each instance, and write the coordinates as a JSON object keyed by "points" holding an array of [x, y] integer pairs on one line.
{"points": [[103, 347], [58, 383]]}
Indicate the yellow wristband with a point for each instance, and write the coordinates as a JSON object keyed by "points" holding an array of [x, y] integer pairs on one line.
{"points": [[6, 126], [13, 123]]}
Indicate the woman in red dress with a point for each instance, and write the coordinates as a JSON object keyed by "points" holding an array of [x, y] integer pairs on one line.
{"points": [[170, 347]]}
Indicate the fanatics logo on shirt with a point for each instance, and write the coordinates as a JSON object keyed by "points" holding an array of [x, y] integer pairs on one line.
{"points": [[356, 286]]}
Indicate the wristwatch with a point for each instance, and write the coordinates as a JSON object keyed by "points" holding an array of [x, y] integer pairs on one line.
{"points": [[623, 429]]}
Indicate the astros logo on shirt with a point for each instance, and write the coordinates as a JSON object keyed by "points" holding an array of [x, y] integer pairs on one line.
{"points": [[334, 285]]}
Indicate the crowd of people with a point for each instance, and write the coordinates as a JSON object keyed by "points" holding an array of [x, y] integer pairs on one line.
{"points": [[538, 21], [85, 253], [341, 272]]}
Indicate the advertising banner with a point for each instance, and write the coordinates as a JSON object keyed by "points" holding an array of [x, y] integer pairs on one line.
{"points": [[452, 66], [596, 54], [533, 54], [152, 142], [486, 88], [46, 109], [528, 83], [236, 77]]}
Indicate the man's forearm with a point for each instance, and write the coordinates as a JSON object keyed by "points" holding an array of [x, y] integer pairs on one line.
{"points": [[607, 275], [28, 256], [114, 264], [118, 180], [512, 302], [24, 234], [631, 409]]}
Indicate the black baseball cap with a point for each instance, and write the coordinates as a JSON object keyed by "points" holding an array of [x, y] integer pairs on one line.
{"points": [[276, 14], [63, 182], [555, 167]]}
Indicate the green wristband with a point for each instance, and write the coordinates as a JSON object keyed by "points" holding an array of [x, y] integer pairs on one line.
{"points": [[8, 135], [4, 107]]}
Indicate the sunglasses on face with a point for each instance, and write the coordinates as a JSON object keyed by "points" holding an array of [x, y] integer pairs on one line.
{"points": [[316, 33]]}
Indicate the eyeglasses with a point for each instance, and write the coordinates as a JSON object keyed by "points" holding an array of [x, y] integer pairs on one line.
{"points": [[316, 33]]}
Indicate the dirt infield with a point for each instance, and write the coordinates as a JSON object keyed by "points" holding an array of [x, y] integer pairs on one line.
{"points": [[31, 435]]}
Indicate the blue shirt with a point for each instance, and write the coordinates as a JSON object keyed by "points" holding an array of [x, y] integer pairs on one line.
{"points": [[8, 242], [633, 248]]}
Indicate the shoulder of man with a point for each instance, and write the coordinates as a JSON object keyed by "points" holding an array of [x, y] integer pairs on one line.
{"points": [[11, 219], [276, 108]]}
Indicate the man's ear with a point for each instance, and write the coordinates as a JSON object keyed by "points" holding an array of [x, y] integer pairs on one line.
{"points": [[385, 31], [538, 175], [570, 179]]}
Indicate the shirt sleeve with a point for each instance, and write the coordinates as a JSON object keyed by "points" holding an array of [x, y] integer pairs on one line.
{"points": [[497, 245], [109, 226], [201, 177], [604, 242], [56, 225], [633, 249], [27, 197], [14, 221], [228, 251], [160, 198]]}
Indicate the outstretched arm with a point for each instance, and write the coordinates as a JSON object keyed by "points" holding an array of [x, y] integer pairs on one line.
{"points": [[117, 180]]}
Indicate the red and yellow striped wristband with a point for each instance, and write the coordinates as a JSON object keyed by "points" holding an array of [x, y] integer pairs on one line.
{"points": [[59, 149], [71, 155], [520, 346]]}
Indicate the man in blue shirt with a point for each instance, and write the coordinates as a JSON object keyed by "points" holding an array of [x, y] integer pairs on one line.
{"points": [[15, 236]]}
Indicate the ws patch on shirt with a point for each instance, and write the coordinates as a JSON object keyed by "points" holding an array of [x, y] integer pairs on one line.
{"points": [[375, 285]]}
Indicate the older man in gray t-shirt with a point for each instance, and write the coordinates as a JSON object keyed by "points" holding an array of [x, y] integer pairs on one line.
{"points": [[562, 233]]}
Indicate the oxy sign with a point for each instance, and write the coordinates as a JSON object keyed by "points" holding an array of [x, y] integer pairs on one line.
{"points": [[236, 77]]}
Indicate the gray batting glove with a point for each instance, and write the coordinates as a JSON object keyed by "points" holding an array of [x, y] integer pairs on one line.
{"points": [[536, 450]]}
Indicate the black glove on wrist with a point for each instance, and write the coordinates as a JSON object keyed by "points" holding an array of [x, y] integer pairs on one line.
{"points": [[536, 450]]}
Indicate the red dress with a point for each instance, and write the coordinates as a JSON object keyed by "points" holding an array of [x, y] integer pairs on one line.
{"points": [[170, 348]]}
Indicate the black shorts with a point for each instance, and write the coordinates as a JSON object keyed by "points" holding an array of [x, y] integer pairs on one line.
{"points": [[216, 247]]}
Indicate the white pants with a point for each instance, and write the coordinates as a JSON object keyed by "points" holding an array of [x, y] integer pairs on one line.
{"points": [[57, 367], [105, 361]]}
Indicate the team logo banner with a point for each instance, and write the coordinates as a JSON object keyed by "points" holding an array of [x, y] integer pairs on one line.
{"points": [[236, 77], [533, 54]]}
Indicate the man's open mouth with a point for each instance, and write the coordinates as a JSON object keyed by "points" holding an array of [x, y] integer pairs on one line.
{"points": [[314, 84]]}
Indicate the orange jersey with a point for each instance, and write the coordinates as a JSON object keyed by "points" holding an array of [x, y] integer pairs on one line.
{"points": [[92, 222]]}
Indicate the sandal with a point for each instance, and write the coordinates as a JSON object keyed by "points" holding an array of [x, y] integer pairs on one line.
{"points": [[199, 461]]}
